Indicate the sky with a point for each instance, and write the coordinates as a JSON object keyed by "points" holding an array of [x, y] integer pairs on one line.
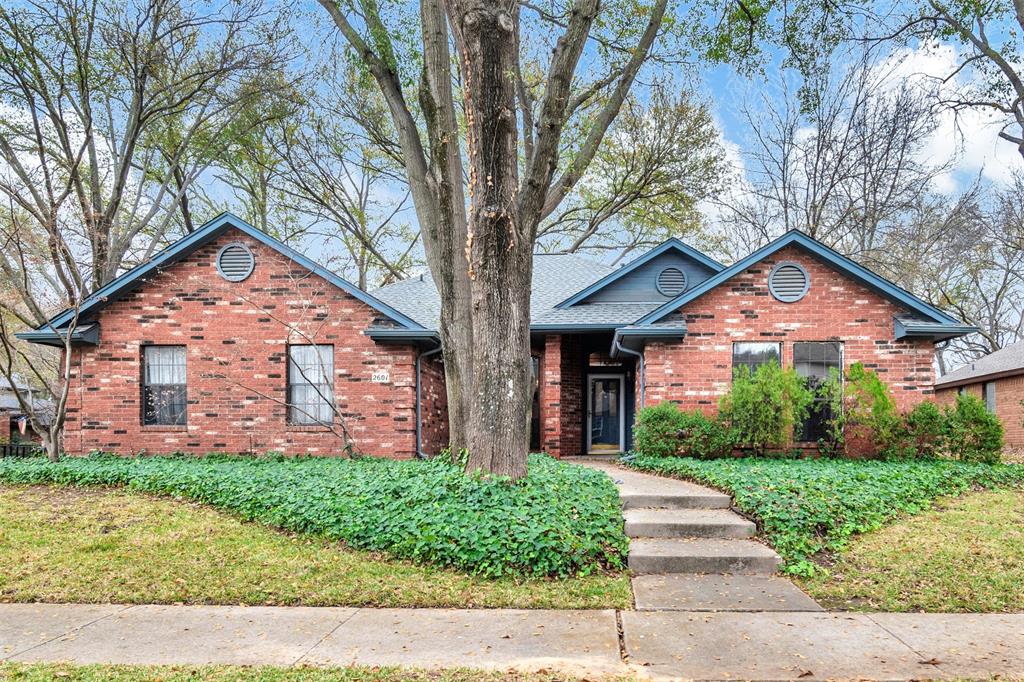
{"points": [[970, 138]]}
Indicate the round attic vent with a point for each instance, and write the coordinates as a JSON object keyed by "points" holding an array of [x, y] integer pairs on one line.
{"points": [[788, 282], [671, 281], [235, 262]]}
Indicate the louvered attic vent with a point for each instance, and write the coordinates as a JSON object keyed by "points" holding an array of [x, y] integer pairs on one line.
{"points": [[788, 282], [671, 281], [235, 262]]}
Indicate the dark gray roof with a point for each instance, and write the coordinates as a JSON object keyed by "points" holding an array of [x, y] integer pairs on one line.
{"points": [[556, 277], [1008, 359]]}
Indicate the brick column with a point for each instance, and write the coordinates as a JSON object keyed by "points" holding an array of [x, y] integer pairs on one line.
{"points": [[551, 396]]}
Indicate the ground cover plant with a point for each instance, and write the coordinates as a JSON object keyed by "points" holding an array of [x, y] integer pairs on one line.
{"points": [[112, 545], [963, 554], [805, 506], [561, 520]]}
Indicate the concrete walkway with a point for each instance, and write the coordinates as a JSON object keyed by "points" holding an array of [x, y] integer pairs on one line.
{"points": [[689, 551], [656, 644]]}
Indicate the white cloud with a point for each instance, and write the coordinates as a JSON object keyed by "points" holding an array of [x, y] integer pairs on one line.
{"points": [[970, 137]]}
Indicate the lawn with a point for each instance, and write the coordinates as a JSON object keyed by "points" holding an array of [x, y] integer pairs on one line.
{"points": [[124, 673], [97, 545], [806, 506], [964, 554], [560, 521]]}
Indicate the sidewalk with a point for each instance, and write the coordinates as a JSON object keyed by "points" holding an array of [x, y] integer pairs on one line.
{"points": [[660, 644]]}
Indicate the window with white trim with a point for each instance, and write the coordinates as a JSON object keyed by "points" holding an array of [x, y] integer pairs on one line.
{"points": [[310, 384], [164, 386]]}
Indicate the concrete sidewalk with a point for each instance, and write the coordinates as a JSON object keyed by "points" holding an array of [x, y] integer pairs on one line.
{"points": [[659, 644]]}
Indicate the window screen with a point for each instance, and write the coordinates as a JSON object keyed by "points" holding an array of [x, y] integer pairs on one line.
{"points": [[754, 354], [164, 393], [310, 384], [815, 362]]}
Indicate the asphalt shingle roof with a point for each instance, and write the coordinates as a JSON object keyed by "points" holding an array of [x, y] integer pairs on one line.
{"points": [[556, 277], [1008, 359]]}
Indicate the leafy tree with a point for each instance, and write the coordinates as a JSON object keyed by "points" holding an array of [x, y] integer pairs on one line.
{"points": [[483, 182]]}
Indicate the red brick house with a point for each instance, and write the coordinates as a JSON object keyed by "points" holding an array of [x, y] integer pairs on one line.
{"points": [[228, 340], [998, 379]]}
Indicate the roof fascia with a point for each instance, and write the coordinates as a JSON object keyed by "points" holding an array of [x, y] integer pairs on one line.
{"points": [[194, 240], [854, 270], [668, 245]]}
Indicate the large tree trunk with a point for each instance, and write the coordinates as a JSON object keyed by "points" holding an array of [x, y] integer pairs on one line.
{"points": [[498, 246]]}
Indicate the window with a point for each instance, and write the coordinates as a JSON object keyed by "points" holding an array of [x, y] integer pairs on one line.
{"points": [[754, 354], [989, 391], [164, 394], [816, 362], [310, 384]]}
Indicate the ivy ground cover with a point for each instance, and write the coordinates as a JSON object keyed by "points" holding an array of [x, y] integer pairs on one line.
{"points": [[806, 506], [560, 521]]}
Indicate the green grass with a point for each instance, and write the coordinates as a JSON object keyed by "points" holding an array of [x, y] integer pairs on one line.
{"points": [[964, 554], [806, 506], [561, 520], [127, 673], [97, 545]]}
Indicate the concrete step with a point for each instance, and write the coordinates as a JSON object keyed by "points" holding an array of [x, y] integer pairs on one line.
{"points": [[686, 523], [700, 555], [705, 499]]}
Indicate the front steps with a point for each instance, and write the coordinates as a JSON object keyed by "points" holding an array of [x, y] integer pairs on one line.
{"points": [[680, 527], [700, 555], [687, 523], [688, 551]]}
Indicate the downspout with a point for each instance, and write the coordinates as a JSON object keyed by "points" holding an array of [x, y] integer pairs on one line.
{"points": [[419, 401], [619, 348]]}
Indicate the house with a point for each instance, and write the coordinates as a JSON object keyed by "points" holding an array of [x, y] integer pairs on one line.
{"points": [[229, 340], [998, 379], [14, 426]]}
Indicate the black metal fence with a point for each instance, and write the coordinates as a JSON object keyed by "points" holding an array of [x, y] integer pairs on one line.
{"points": [[19, 449]]}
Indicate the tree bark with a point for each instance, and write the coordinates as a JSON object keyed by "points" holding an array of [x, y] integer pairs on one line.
{"points": [[498, 247]]}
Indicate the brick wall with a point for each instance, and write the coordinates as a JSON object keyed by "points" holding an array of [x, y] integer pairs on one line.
{"points": [[1009, 394], [696, 371], [434, 405], [236, 335], [561, 395]]}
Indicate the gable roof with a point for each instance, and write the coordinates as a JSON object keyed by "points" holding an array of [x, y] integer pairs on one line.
{"points": [[170, 255], [1004, 362], [555, 276], [671, 244], [830, 256]]}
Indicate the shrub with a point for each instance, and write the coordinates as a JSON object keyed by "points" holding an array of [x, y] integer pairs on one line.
{"points": [[763, 408], [872, 424], [560, 520], [663, 430], [972, 433], [804, 506], [924, 432], [657, 428]]}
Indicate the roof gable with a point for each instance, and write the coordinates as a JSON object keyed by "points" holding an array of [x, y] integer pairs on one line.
{"points": [[833, 258], [641, 273], [175, 252]]}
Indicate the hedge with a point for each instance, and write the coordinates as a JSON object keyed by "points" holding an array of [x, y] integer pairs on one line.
{"points": [[561, 520]]}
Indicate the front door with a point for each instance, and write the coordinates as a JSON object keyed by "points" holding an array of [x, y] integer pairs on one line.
{"points": [[605, 412]]}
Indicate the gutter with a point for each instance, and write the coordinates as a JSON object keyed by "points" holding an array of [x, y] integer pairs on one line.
{"points": [[619, 348], [419, 401]]}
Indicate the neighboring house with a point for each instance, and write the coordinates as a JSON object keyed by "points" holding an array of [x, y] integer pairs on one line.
{"points": [[228, 340], [998, 379], [14, 425]]}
